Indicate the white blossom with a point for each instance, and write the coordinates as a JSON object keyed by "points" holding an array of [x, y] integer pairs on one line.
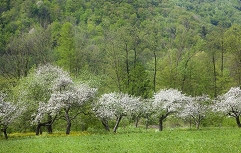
{"points": [[168, 100], [8, 111], [229, 103], [196, 108], [59, 100], [111, 105]]}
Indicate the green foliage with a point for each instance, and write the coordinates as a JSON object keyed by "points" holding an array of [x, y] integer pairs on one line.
{"points": [[66, 48], [79, 31], [139, 82]]}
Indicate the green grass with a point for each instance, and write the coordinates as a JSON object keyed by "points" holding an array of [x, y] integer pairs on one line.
{"points": [[214, 140]]}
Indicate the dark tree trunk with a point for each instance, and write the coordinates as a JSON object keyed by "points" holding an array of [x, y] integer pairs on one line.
{"points": [[5, 133], [68, 120], [137, 121], [4, 130], [105, 124], [222, 58], [49, 129], [68, 128], [117, 123], [49, 125], [146, 122], [127, 65], [161, 121], [155, 70], [38, 129], [190, 122], [198, 122], [160, 124], [238, 121], [214, 76], [185, 74]]}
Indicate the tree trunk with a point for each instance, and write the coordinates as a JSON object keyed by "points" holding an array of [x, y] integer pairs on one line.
{"points": [[214, 76], [222, 58], [161, 121], [190, 122], [49, 129], [198, 125], [49, 124], [68, 126], [155, 69], [238, 121], [105, 124], [117, 123], [185, 73], [127, 65], [4, 130], [137, 121], [146, 122], [38, 129], [198, 122], [160, 124]]}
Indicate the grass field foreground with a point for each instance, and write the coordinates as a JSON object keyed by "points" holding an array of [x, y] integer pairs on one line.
{"points": [[217, 140]]}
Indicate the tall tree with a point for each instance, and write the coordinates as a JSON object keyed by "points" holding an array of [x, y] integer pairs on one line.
{"points": [[66, 49], [115, 60], [232, 42], [24, 51]]}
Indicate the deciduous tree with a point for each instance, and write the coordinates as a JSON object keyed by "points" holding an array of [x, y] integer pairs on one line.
{"points": [[195, 108], [36, 89], [8, 113], [167, 102], [67, 100], [230, 104], [115, 106]]}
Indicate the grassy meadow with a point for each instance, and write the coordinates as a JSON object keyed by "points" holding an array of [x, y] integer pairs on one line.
{"points": [[213, 140]]}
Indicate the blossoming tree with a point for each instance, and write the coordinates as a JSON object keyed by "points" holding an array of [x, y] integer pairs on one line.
{"points": [[230, 104], [8, 113], [115, 106], [167, 102], [146, 110], [35, 91], [73, 98], [49, 93], [65, 97], [195, 108]]}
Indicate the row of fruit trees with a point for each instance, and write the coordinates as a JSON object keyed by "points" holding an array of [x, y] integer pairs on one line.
{"points": [[49, 94]]}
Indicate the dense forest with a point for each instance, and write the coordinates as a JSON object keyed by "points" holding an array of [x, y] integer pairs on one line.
{"points": [[134, 46], [131, 46]]}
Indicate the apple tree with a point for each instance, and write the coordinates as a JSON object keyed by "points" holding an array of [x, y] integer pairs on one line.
{"points": [[72, 99], [230, 104], [195, 109], [8, 113], [35, 90], [166, 102], [116, 106]]}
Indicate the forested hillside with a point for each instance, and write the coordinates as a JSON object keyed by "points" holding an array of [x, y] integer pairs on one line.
{"points": [[132, 46]]}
